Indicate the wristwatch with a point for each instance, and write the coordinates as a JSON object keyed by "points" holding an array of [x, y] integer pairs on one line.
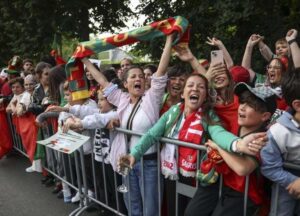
{"points": [[292, 41]]}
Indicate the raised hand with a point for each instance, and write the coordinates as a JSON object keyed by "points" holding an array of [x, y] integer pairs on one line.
{"points": [[254, 39], [183, 53], [291, 35], [214, 42], [215, 70]]}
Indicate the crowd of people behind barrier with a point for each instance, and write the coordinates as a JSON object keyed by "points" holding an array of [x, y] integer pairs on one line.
{"points": [[248, 121]]}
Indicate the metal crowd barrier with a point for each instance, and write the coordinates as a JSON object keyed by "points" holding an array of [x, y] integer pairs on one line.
{"points": [[59, 168]]}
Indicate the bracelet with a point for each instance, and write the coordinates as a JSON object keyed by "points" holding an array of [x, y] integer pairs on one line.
{"points": [[292, 41], [235, 148]]}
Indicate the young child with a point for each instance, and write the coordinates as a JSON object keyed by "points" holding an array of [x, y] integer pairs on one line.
{"points": [[102, 144], [284, 146], [281, 48], [79, 109]]}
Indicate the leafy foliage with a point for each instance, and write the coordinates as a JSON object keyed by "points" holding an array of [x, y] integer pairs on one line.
{"points": [[28, 27], [230, 21]]}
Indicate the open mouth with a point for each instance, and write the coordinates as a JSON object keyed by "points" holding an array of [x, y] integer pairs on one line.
{"points": [[137, 86], [242, 116], [176, 88], [194, 98], [272, 76]]}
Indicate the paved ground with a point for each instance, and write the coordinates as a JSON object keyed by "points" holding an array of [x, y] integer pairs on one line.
{"points": [[22, 194]]}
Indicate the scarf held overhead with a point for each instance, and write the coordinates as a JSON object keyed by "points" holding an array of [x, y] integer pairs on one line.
{"points": [[74, 67]]}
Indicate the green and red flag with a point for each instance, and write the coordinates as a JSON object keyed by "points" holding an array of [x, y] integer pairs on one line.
{"points": [[74, 67], [55, 52]]}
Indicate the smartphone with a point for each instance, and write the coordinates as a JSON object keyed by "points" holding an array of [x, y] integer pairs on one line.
{"points": [[216, 57]]}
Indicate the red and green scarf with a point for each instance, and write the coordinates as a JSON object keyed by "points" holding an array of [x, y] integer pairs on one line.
{"points": [[74, 67]]}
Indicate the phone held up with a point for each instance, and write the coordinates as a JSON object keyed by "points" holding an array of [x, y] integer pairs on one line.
{"points": [[216, 57]]}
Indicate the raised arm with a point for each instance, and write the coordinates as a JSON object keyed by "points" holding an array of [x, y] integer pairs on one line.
{"points": [[265, 51], [184, 54], [246, 63], [218, 43], [98, 76], [165, 57], [295, 50]]}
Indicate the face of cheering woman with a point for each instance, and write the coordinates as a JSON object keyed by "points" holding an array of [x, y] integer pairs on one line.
{"points": [[134, 82], [194, 93]]}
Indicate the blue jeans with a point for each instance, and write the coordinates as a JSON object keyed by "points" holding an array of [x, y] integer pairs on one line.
{"points": [[151, 205], [287, 205]]}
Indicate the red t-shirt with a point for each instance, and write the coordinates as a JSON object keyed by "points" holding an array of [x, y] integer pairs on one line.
{"points": [[228, 115]]}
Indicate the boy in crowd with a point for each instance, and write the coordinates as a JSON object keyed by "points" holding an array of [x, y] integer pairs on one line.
{"points": [[284, 146], [255, 110]]}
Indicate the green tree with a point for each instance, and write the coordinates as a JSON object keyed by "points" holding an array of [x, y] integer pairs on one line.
{"points": [[28, 27], [231, 21]]}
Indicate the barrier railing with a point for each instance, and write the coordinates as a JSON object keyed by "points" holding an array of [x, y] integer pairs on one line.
{"points": [[71, 170]]}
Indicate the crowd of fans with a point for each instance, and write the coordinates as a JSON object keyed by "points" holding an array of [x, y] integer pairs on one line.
{"points": [[248, 121]]}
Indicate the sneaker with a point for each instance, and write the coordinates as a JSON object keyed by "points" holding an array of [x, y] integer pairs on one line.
{"points": [[67, 199], [29, 169], [76, 198]]}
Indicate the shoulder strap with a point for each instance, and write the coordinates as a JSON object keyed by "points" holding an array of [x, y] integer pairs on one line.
{"points": [[131, 117]]}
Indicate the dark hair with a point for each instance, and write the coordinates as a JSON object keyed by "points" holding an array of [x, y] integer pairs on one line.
{"points": [[92, 82], [126, 72], [57, 76], [251, 100], [40, 67], [151, 67], [110, 74], [49, 59], [291, 86], [16, 80], [176, 71], [27, 60], [207, 106]]}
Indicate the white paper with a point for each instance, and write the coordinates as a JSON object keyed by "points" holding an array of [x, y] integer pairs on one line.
{"points": [[65, 142]]}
